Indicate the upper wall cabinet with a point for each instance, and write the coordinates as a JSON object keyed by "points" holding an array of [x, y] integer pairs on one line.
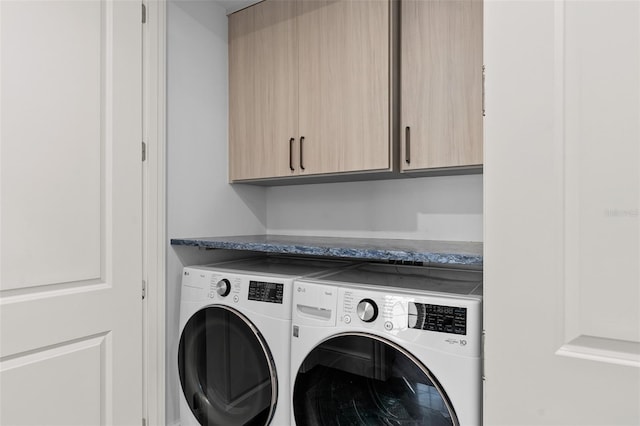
{"points": [[309, 90], [263, 90], [441, 84]]}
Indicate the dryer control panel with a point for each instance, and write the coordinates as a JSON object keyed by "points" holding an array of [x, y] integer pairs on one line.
{"points": [[262, 291]]}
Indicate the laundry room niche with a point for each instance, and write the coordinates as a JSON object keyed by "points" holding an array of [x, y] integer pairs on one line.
{"points": [[201, 202]]}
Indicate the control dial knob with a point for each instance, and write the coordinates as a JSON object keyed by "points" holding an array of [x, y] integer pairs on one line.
{"points": [[367, 310], [223, 287]]}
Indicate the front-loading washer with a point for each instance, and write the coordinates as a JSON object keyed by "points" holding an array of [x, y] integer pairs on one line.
{"points": [[233, 358], [387, 345]]}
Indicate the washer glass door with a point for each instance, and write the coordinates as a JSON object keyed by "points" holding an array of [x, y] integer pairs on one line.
{"points": [[226, 369], [361, 379]]}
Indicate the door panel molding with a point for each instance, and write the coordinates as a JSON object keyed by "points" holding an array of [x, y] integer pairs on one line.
{"points": [[596, 129], [599, 349], [56, 235], [50, 290], [84, 362]]}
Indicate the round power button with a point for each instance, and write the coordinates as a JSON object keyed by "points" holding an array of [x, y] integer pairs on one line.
{"points": [[388, 326], [347, 319]]}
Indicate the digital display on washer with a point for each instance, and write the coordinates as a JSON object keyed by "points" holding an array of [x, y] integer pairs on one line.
{"points": [[443, 319], [266, 292]]}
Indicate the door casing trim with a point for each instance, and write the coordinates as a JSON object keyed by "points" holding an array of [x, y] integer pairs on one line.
{"points": [[154, 211]]}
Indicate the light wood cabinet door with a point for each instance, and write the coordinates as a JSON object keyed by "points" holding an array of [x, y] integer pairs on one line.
{"points": [[441, 84], [309, 88], [344, 85], [263, 99]]}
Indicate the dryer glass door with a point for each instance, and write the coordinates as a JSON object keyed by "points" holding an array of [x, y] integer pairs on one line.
{"points": [[361, 379], [226, 369]]}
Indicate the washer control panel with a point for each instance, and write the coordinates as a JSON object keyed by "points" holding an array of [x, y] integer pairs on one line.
{"points": [[440, 318], [406, 313], [400, 312], [450, 324], [388, 312]]}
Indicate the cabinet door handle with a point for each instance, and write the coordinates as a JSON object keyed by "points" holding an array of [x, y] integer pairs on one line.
{"points": [[291, 141], [301, 141], [407, 145]]}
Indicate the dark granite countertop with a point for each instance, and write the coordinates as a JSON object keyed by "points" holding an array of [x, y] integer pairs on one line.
{"points": [[427, 252]]}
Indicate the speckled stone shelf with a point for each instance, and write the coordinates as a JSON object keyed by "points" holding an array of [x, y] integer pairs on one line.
{"points": [[427, 252]]}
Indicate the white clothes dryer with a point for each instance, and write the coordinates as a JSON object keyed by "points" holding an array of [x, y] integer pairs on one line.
{"points": [[233, 358], [387, 345]]}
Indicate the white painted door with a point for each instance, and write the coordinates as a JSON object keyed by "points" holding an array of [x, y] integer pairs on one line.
{"points": [[70, 218], [562, 198]]}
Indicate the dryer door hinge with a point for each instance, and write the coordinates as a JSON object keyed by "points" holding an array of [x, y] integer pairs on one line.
{"points": [[144, 290], [144, 151], [144, 13]]}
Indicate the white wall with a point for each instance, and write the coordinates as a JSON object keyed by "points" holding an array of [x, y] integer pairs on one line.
{"points": [[435, 208], [200, 202]]}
